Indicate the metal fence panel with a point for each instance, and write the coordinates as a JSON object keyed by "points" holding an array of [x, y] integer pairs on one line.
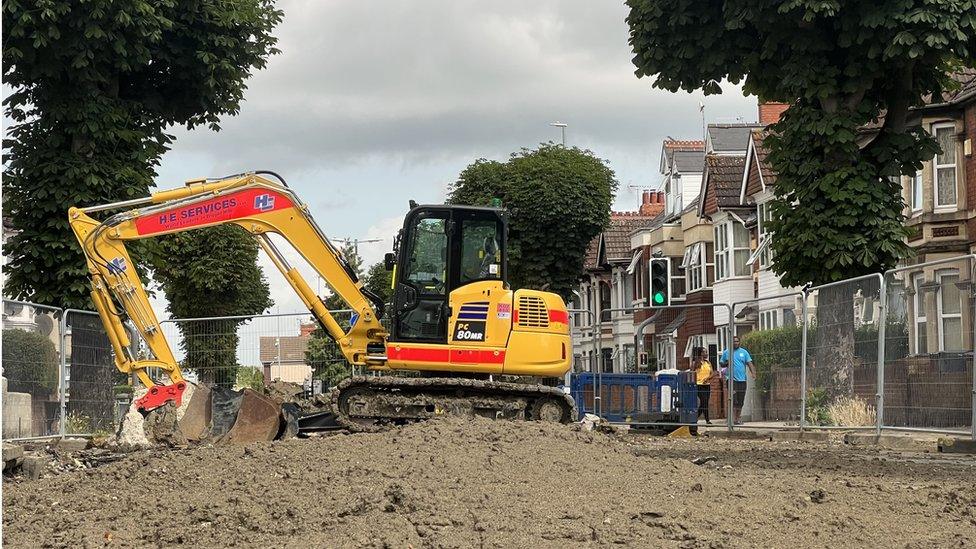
{"points": [[928, 361], [96, 392], [842, 353], [259, 349], [771, 331], [31, 370]]}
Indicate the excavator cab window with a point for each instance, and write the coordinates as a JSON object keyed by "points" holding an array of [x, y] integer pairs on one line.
{"points": [[443, 248]]}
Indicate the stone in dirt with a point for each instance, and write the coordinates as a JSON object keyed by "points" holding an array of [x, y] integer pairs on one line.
{"points": [[283, 391], [131, 434], [13, 456], [162, 426], [35, 464], [71, 444]]}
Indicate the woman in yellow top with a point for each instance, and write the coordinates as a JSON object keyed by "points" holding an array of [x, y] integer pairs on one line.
{"points": [[703, 375]]}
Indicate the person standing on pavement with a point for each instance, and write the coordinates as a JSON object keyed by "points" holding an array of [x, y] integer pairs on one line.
{"points": [[703, 376], [742, 369]]}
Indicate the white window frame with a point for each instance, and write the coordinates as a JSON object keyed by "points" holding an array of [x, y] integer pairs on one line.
{"points": [[918, 280], [936, 166], [939, 275], [769, 320], [696, 272], [725, 257], [720, 332], [915, 193], [763, 249], [721, 251]]}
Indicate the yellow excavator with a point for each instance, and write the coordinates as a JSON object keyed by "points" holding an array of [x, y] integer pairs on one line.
{"points": [[455, 321]]}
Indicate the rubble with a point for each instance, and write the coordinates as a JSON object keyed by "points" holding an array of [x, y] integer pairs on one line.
{"points": [[452, 482]]}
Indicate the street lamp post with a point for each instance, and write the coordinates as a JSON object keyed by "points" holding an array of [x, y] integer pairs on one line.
{"points": [[562, 127]]}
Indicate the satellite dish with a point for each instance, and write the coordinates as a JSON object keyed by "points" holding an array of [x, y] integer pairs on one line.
{"points": [[12, 309], [45, 324]]}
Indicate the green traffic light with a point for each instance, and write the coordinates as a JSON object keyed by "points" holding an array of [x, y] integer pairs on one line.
{"points": [[658, 298]]}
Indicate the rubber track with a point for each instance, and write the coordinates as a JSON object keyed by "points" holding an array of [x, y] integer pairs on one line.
{"points": [[497, 389]]}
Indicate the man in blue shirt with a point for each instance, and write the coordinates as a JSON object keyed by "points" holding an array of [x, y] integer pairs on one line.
{"points": [[741, 367]]}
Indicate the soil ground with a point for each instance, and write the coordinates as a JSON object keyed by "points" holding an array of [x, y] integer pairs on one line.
{"points": [[461, 483]]}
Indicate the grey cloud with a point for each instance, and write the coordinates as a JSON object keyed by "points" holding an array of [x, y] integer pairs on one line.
{"points": [[422, 82]]}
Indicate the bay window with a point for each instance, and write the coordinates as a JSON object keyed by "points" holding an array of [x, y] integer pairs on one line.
{"points": [[731, 250], [944, 166]]}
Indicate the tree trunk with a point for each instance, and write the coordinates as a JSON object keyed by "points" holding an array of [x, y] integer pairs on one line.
{"points": [[833, 367], [91, 399]]}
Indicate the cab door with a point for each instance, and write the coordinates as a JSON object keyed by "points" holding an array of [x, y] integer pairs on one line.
{"points": [[422, 278]]}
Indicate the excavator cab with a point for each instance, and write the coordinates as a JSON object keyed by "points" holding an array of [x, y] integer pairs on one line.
{"points": [[442, 249]]}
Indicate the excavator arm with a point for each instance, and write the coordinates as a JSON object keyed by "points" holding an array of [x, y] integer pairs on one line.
{"points": [[259, 205]]}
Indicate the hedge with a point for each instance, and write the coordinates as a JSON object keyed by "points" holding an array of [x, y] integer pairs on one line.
{"points": [[30, 362]]}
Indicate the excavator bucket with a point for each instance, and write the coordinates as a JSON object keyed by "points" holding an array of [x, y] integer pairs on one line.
{"points": [[258, 419], [216, 415], [195, 422]]}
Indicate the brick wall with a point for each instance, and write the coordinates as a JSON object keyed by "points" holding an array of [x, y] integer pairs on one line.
{"points": [[698, 321]]}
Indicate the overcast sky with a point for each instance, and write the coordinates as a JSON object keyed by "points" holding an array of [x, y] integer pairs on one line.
{"points": [[373, 103]]}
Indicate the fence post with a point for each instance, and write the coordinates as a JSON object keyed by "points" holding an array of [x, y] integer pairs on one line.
{"points": [[63, 374], [803, 356], [972, 400], [597, 380], [729, 370], [882, 348]]}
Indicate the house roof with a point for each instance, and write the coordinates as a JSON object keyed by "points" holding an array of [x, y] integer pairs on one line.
{"points": [[688, 161], [613, 244], [672, 147], [966, 78], [292, 349], [729, 138]]}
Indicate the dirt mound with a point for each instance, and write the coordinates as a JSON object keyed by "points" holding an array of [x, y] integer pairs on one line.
{"points": [[465, 483]]}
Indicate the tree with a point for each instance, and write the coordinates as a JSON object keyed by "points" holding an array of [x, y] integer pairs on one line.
{"points": [[851, 72], [322, 354], [205, 273], [559, 199], [380, 281], [249, 377], [95, 86]]}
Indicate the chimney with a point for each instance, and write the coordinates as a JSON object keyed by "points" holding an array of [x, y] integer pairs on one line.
{"points": [[769, 112], [651, 204], [307, 329]]}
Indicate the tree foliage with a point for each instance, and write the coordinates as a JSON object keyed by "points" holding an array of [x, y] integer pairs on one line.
{"points": [[380, 281], [95, 86], [559, 199], [30, 362], [205, 273], [851, 71], [322, 354]]}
